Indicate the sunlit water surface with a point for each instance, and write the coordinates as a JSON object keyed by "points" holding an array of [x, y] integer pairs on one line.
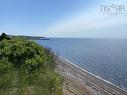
{"points": [[106, 58]]}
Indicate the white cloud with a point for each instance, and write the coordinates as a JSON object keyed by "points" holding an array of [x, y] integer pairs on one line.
{"points": [[84, 22]]}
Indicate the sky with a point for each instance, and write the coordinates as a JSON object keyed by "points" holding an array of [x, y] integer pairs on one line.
{"points": [[63, 18]]}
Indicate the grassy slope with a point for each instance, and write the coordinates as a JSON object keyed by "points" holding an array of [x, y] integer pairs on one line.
{"points": [[27, 69]]}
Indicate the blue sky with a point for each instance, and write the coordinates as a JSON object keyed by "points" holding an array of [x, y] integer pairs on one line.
{"points": [[62, 18]]}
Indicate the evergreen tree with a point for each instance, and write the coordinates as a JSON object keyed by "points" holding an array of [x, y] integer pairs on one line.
{"points": [[4, 36]]}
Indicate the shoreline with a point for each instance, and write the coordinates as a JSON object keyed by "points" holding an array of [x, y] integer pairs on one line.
{"points": [[92, 83], [91, 73]]}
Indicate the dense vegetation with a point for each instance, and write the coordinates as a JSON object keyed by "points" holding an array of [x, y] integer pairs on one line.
{"points": [[4, 36], [27, 69]]}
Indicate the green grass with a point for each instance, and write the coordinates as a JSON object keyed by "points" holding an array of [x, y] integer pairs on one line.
{"points": [[27, 69], [40, 83]]}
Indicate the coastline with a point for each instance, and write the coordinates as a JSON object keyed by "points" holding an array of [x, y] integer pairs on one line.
{"points": [[78, 81]]}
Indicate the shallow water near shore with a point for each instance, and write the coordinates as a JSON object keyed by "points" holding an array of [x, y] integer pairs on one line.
{"points": [[106, 58]]}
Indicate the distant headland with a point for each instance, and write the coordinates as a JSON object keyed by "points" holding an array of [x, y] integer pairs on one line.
{"points": [[30, 37]]}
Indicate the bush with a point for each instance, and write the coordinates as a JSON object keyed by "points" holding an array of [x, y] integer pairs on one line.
{"points": [[5, 66], [27, 67], [4, 36]]}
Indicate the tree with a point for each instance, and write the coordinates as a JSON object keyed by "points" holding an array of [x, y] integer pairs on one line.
{"points": [[4, 36]]}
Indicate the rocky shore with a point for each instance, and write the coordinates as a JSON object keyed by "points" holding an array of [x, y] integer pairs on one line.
{"points": [[80, 82]]}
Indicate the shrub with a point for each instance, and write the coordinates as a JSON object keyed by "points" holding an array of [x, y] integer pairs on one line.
{"points": [[4, 36], [25, 64]]}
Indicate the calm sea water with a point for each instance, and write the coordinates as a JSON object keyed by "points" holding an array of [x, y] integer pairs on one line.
{"points": [[106, 58]]}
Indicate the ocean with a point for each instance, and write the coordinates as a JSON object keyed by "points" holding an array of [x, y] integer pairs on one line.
{"points": [[106, 58]]}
